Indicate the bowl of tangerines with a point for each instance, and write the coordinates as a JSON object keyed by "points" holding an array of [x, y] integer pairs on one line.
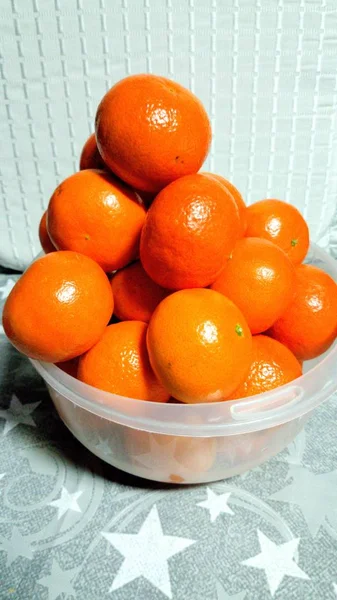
{"points": [[183, 336]]}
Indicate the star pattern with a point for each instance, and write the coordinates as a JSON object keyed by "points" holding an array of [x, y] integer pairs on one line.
{"points": [[311, 492], [222, 594], [293, 454], [67, 501], [7, 288], [17, 545], [146, 553], [40, 460], [216, 504], [59, 582], [18, 413], [315, 494], [276, 560]]}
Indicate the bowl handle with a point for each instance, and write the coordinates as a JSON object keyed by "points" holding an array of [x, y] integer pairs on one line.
{"points": [[263, 408]]}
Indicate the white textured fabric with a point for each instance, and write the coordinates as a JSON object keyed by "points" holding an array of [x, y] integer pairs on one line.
{"points": [[265, 70]]}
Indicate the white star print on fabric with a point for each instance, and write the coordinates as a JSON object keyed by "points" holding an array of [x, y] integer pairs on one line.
{"points": [[40, 460], [18, 413], [146, 553], [59, 582], [67, 501], [276, 560], [2, 331], [293, 454], [334, 585], [16, 546], [216, 504], [222, 595], [2, 475], [314, 493], [7, 288]]}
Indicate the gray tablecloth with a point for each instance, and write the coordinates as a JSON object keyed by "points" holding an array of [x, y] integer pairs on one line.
{"points": [[73, 527]]}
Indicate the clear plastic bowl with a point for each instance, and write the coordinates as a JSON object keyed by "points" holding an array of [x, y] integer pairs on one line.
{"points": [[181, 443]]}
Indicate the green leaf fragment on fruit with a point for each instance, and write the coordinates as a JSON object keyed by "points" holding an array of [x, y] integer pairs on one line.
{"points": [[239, 330]]}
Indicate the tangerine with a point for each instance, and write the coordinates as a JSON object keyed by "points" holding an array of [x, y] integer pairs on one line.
{"points": [[272, 365], [189, 232], [280, 223], [59, 307], [45, 241], [258, 278], [119, 363], [151, 130], [199, 345], [239, 201], [93, 213], [90, 156], [309, 325], [135, 294]]}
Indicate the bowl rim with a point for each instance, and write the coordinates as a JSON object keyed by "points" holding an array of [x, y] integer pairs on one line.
{"points": [[229, 417]]}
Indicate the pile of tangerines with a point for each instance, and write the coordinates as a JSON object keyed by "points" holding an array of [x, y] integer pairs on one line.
{"points": [[158, 282]]}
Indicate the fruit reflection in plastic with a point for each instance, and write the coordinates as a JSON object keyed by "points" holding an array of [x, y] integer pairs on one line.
{"points": [[169, 458]]}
